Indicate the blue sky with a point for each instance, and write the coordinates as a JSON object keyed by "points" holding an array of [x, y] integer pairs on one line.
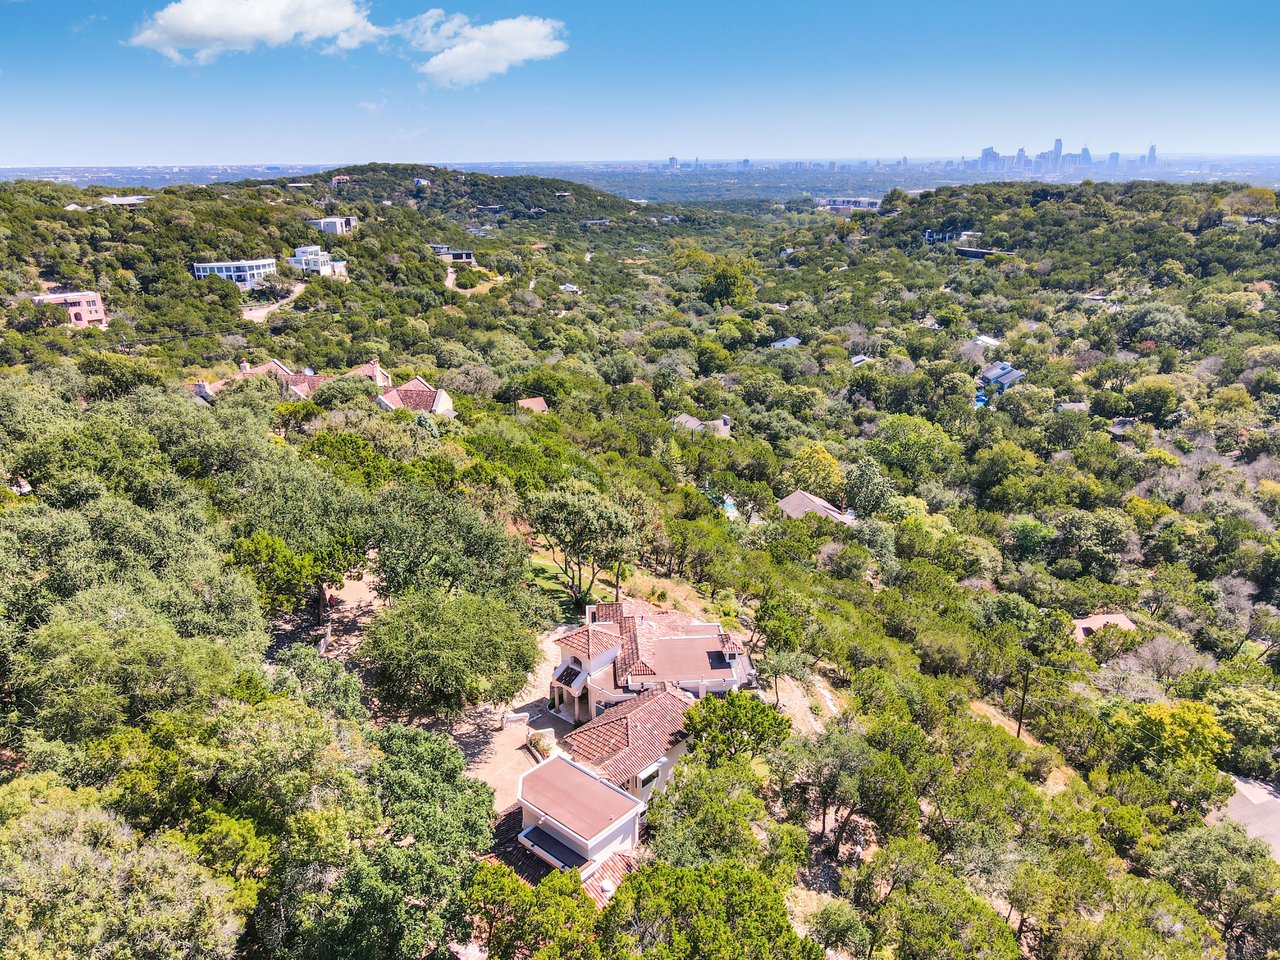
{"points": [[246, 81]]}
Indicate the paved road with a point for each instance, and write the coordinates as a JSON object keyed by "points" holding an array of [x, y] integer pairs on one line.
{"points": [[1256, 805]]}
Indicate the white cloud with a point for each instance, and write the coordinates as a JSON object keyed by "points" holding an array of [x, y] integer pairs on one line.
{"points": [[371, 106], [467, 53], [462, 52], [205, 29]]}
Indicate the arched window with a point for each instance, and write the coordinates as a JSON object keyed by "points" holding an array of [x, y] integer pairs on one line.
{"points": [[79, 317]]}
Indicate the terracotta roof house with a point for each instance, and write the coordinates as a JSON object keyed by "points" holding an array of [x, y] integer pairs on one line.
{"points": [[372, 371], [635, 744], [297, 386], [721, 426], [624, 649], [533, 404], [801, 503], [417, 395], [573, 819], [1087, 626]]}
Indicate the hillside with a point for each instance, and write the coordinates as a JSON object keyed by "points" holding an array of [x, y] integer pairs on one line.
{"points": [[1029, 606]]}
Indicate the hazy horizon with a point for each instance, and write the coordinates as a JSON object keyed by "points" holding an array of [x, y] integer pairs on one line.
{"points": [[144, 82]]}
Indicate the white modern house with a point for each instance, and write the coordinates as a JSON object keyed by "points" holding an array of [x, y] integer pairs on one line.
{"points": [[573, 819], [451, 256], [338, 225], [312, 259], [245, 274], [132, 202]]}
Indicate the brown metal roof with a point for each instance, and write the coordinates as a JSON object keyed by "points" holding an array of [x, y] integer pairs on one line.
{"points": [[574, 798]]}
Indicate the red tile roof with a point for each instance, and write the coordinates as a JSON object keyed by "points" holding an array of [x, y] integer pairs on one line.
{"points": [[589, 642], [417, 394], [610, 875], [374, 371], [631, 737], [306, 384]]}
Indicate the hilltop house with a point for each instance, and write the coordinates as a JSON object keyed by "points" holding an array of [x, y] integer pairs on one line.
{"points": [[625, 649], [720, 426], [1000, 376], [861, 359], [786, 343], [464, 258], [634, 745], [312, 259], [801, 503], [417, 395], [84, 308], [245, 274], [337, 225], [847, 205]]}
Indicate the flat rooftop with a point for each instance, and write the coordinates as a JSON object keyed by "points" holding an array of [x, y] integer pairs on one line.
{"points": [[574, 798]]}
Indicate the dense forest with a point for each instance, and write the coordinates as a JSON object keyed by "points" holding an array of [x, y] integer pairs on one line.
{"points": [[182, 777]]}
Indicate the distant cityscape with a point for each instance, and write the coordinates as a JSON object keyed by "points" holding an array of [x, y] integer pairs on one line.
{"points": [[747, 180]]}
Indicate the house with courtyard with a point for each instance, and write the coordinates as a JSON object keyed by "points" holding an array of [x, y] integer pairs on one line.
{"points": [[624, 649]]}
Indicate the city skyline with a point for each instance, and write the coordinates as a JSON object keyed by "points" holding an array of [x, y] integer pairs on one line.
{"points": [[347, 81]]}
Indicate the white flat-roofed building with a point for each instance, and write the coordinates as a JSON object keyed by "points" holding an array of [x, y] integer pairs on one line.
{"points": [[129, 203], [848, 204], [312, 259], [245, 274], [339, 225], [573, 819], [84, 308]]}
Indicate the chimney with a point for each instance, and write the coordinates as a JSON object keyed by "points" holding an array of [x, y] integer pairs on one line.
{"points": [[244, 365]]}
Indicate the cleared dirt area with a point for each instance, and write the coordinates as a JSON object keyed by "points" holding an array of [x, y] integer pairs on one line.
{"points": [[258, 313]]}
